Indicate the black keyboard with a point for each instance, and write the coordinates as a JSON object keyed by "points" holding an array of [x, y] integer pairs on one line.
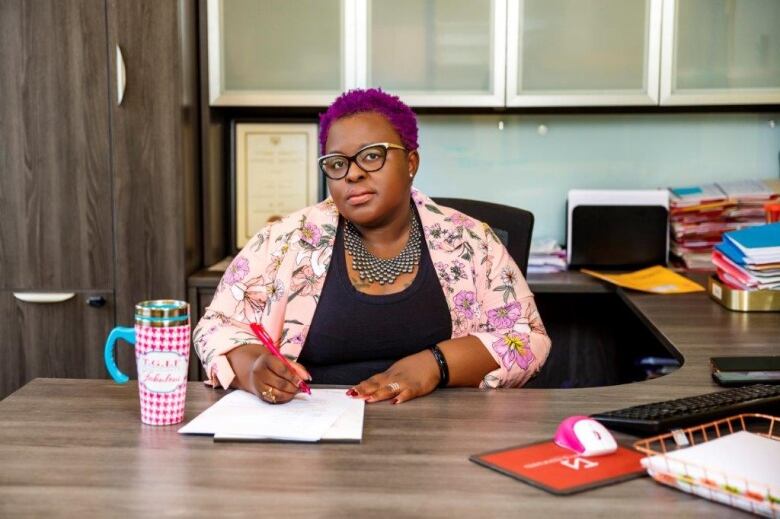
{"points": [[660, 417]]}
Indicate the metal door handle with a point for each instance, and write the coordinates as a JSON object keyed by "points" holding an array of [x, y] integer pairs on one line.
{"points": [[121, 77], [43, 297]]}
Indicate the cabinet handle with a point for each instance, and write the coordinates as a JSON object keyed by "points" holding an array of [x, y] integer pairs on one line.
{"points": [[43, 297], [121, 77], [96, 301]]}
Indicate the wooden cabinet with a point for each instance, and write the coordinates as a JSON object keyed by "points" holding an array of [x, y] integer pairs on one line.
{"points": [[280, 53], [433, 52], [56, 216], [155, 154], [97, 197], [495, 53], [55, 168], [201, 287], [59, 339], [583, 52], [720, 52], [154, 140]]}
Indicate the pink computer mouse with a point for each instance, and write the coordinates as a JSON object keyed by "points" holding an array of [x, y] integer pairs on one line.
{"points": [[585, 436]]}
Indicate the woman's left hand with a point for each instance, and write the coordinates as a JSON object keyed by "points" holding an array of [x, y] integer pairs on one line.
{"points": [[410, 377]]}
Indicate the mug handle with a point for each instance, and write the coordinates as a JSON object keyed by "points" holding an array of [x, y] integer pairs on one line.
{"points": [[127, 335]]}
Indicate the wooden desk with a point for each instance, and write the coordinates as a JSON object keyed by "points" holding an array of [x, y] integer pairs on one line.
{"points": [[202, 284], [77, 447]]}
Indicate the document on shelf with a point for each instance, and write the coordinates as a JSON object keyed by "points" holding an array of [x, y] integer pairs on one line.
{"points": [[325, 415], [657, 280]]}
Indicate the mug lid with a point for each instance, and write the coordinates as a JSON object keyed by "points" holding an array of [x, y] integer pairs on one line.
{"points": [[162, 308]]}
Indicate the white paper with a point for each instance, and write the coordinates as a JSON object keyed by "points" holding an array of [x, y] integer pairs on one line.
{"points": [[739, 456], [328, 414], [349, 426]]}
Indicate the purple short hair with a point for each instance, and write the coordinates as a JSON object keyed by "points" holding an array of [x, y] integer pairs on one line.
{"points": [[400, 116]]}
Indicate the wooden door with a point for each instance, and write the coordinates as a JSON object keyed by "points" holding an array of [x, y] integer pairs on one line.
{"points": [[155, 153], [55, 176], [63, 339], [154, 135]]}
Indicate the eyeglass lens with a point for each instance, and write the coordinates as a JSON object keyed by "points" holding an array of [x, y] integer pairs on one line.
{"points": [[369, 159]]}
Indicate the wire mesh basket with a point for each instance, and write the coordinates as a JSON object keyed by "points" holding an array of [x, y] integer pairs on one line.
{"points": [[758, 497]]}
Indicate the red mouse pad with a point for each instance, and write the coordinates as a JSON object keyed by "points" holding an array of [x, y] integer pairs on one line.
{"points": [[561, 471]]}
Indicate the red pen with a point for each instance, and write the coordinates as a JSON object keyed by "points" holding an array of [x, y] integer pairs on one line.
{"points": [[268, 343]]}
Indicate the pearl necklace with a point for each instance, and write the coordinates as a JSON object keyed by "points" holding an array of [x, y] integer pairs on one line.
{"points": [[373, 269]]}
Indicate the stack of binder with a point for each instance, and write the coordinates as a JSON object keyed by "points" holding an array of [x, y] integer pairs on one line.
{"points": [[749, 259], [701, 214]]}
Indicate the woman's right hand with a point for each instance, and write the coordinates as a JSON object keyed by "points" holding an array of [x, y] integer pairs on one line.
{"points": [[270, 379], [261, 373]]}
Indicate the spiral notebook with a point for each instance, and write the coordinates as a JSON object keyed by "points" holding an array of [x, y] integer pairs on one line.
{"points": [[327, 415]]}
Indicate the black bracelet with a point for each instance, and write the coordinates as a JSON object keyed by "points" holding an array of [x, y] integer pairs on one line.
{"points": [[444, 370]]}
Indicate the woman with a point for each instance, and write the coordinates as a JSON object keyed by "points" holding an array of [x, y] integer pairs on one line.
{"points": [[377, 287]]}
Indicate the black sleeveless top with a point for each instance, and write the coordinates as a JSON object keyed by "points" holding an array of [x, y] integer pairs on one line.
{"points": [[354, 335]]}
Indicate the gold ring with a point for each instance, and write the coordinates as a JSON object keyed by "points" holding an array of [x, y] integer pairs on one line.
{"points": [[395, 387], [269, 395]]}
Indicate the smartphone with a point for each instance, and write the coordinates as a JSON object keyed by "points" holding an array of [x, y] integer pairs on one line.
{"points": [[735, 371]]}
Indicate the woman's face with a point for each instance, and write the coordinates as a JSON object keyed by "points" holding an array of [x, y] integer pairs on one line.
{"points": [[371, 199]]}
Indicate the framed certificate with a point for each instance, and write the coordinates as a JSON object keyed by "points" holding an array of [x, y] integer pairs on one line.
{"points": [[274, 173]]}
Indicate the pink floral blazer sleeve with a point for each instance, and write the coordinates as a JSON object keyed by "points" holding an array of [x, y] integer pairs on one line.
{"points": [[278, 277]]}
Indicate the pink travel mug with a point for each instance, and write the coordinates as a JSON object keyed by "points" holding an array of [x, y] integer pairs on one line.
{"points": [[162, 352]]}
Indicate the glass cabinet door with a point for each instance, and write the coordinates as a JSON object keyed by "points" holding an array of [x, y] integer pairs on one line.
{"points": [[583, 52], [278, 52], [434, 52], [721, 52]]}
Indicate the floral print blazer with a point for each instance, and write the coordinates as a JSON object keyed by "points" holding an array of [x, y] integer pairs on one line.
{"points": [[278, 277]]}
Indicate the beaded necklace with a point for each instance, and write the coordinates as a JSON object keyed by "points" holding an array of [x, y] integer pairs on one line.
{"points": [[373, 269]]}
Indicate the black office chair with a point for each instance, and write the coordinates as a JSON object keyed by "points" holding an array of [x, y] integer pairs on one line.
{"points": [[512, 225]]}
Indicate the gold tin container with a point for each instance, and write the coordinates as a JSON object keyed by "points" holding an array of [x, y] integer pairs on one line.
{"points": [[743, 300], [162, 313]]}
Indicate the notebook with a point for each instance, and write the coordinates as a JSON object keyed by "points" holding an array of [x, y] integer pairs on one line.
{"points": [[759, 242], [327, 415]]}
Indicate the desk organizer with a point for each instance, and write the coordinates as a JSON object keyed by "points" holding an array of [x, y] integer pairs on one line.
{"points": [[743, 300], [753, 496]]}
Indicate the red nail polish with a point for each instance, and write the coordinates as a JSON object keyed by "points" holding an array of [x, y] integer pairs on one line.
{"points": [[351, 392], [395, 401]]}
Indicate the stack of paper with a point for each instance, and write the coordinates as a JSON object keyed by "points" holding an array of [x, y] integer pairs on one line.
{"points": [[325, 415], [749, 259], [701, 214], [546, 256], [738, 469]]}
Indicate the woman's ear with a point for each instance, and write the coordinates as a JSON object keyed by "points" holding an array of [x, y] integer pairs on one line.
{"points": [[413, 160]]}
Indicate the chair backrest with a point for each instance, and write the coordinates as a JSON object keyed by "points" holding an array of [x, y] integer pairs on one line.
{"points": [[512, 225]]}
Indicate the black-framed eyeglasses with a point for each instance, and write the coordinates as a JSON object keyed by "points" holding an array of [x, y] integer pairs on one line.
{"points": [[368, 158]]}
